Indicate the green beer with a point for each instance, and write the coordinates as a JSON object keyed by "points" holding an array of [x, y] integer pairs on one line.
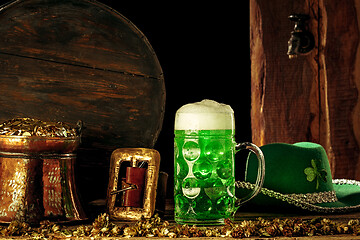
{"points": [[204, 149], [204, 182]]}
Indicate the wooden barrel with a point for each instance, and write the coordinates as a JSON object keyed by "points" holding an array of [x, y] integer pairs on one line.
{"points": [[76, 60]]}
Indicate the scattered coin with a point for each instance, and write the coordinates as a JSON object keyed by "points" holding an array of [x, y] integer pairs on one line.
{"points": [[34, 127]]}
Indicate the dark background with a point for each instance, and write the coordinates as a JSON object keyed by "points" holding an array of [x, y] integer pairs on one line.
{"points": [[204, 52]]}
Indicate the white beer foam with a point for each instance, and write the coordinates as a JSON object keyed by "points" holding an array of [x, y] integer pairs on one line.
{"points": [[204, 115]]}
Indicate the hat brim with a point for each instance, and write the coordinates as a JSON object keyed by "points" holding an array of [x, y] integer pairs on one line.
{"points": [[347, 193]]}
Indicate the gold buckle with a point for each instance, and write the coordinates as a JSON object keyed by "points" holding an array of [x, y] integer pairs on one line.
{"points": [[135, 156]]}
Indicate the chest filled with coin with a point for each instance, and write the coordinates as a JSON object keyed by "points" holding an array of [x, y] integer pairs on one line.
{"points": [[37, 171]]}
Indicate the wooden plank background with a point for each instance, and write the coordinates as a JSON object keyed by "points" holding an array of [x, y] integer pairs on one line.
{"points": [[312, 97]]}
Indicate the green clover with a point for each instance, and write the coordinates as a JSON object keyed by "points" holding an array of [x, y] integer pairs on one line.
{"points": [[313, 173]]}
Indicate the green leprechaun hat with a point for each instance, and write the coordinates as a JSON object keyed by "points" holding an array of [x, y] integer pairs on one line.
{"points": [[298, 175]]}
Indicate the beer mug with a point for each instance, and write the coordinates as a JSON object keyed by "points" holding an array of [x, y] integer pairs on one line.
{"points": [[204, 149]]}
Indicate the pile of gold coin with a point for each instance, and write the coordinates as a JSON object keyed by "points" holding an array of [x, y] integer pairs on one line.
{"points": [[34, 127]]}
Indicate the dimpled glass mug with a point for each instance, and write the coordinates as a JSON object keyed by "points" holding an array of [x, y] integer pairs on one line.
{"points": [[204, 149]]}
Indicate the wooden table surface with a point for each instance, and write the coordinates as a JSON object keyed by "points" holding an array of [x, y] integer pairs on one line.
{"points": [[244, 214], [240, 216]]}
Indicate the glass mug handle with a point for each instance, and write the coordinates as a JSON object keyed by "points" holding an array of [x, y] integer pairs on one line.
{"points": [[261, 171]]}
